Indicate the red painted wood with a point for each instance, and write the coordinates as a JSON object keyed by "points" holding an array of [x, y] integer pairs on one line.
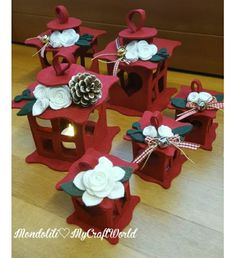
{"points": [[204, 126], [48, 141], [113, 214], [153, 93], [164, 164], [61, 23]]}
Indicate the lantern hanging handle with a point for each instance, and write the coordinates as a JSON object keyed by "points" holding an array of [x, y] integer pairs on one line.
{"points": [[129, 19], [62, 14], [196, 85], [67, 60], [156, 119], [87, 162]]}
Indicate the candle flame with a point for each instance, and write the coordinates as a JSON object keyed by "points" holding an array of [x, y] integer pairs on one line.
{"points": [[69, 131]]}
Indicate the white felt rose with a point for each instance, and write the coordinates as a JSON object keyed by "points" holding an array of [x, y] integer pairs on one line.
{"points": [[193, 97], [59, 97], [140, 50], [100, 182], [150, 131], [40, 106], [165, 131], [145, 50], [55, 40], [205, 97], [40, 92], [69, 37]]}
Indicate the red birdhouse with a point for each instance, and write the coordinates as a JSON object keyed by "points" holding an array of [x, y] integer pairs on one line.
{"points": [[157, 141], [140, 60], [82, 45], [69, 131], [111, 211], [198, 106]]}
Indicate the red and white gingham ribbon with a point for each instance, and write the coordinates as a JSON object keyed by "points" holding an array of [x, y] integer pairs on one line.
{"points": [[194, 108], [115, 62], [153, 143]]}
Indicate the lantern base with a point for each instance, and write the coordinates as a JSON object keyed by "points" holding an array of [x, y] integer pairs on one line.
{"points": [[121, 102], [209, 138], [104, 146], [122, 222], [173, 172]]}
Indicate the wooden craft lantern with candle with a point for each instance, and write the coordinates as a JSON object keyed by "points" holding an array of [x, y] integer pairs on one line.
{"points": [[157, 143], [71, 100], [198, 106], [100, 191], [140, 60], [65, 32]]}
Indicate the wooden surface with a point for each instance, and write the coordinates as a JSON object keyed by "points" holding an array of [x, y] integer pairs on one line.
{"points": [[185, 221], [198, 24]]}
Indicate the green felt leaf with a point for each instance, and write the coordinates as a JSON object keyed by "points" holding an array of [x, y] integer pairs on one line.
{"points": [[83, 42], [136, 135], [219, 97], [162, 50], [87, 36], [178, 102], [26, 92], [182, 130], [23, 97], [156, 58], [136, 125], [26, 109], [71, 189], [128, 173], [164, 55]]}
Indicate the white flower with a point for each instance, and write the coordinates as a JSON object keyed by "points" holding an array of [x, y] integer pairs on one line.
{"points": [[165, 131], [69, 37], [205, 97], [193, 97], [40, 106], [40, 91], [145, 50], [150, 131], [59, 97], [55, 40], [100, 182], [65, 38], [140, 50]]}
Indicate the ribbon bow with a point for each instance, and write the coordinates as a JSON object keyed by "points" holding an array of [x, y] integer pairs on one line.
{"points": [[45, 39], [195, 107], [121, 51], [163, 142]]}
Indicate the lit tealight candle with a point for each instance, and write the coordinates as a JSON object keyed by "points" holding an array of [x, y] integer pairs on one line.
{"points": [[68, 131]]}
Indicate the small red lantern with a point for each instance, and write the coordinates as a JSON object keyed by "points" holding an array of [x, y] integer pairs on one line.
{"points": [[142, 82], [202, 119], [86, 48], [111, 214], [56, 146], [162, 162]]}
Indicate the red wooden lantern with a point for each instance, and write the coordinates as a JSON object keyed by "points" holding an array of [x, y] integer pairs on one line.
{"points": [[64, 22], [160, 164], [112, 214], [204, 127], [142, 84], [54, 147]]}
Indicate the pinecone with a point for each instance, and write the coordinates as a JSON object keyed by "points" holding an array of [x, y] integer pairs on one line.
{"points": [[85, 88]]}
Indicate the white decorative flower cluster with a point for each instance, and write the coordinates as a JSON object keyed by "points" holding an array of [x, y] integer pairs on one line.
{"points": [[162, 131], [140, 50], [65, 38], [100, 182], [56, 98], [199, 98]]}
